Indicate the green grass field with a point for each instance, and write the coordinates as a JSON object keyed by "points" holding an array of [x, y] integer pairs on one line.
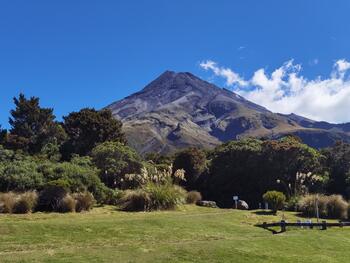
{"points": [[190, 234]]}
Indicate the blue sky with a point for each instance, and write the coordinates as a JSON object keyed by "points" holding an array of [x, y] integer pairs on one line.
{"points": [[74, 54]]}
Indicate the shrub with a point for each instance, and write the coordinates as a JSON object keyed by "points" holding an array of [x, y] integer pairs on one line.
{"points": [[135, 200], [275, 199], [165, 196], [292, 203], [307, 205], [337, 207], [25, 203], [84, 201], [111, 196], [193, 197], [7, 202], [67, 204], [50, 198], [333, 206]]}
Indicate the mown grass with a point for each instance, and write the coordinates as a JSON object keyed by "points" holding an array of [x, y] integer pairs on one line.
{"points": [[190, 234]]}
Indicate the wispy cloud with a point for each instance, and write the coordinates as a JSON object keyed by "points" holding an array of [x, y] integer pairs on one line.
{"points": [[285, 90], [231, 77]]}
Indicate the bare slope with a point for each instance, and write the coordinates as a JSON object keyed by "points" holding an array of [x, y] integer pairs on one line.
{"points": [[178, 110]]}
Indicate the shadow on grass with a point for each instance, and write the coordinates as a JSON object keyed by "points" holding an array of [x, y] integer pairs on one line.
{"points": [[273, 231], [265, 213]]}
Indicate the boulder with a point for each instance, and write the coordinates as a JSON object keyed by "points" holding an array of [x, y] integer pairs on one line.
{"points": [[242, 205], [207, 204]]}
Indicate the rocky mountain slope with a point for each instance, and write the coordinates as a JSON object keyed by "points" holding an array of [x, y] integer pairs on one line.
{"points": [[179, 110]]}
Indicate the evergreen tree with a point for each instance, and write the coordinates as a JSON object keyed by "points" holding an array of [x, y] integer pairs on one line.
{"points": [[32, 127], [3, 134], [89, 127]]}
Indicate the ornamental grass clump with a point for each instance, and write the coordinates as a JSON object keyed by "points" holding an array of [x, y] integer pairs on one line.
{"points": [[84, 201], [7, 202], [135, 200], [193, 197], [165, 196], [25, 202], [333, 206], [67, 204]]}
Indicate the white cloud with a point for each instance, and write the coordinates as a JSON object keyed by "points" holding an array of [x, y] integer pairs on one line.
{"points": [[285, 90], [231, 77]]}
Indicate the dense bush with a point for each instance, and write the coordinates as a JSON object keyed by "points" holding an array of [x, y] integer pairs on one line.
{"points": [[333, 206], [250, 167], [25, 202], [275, 199], [193, 161], [20, 175], [84, 201], [115, 160], [109, 196], [50, 198], [193, 197]]}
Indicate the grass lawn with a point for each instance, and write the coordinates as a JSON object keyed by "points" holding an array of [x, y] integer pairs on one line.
{"points": [[190, 234]]}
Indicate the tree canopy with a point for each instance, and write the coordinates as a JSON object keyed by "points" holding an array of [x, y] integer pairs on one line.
{"points": [[32, 126], [193, 161], [89, 127], [115, 160]]}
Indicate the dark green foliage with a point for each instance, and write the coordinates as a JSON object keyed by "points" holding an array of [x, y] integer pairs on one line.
{"points": [[248, 168], [337, 164], [275, 199], [193, 161], [115, 160], [50, 198], [3, 134], [236, 169], [89, 127], [32, 126], [158, 160], [20, 175], [77, 176]]}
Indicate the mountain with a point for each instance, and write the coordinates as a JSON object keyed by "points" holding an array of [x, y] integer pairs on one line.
{"points": [[179, 110]]}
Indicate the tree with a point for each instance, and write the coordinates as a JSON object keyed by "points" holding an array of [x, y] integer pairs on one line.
{"points": [[193, 161], [32, 126], [337, 164], [288, 157], [237, 168], [250, 167], [115, 160], [3, 134], [89, 127]]}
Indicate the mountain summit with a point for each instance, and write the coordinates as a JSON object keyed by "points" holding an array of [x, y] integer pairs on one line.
{"points": [[179, 110]]}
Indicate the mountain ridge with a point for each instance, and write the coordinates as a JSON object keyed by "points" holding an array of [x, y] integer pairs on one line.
{"points": [[178, 110]]}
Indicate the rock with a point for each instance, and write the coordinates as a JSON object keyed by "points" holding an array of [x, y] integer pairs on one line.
{"points": [[242, 205], [207, 204]]}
